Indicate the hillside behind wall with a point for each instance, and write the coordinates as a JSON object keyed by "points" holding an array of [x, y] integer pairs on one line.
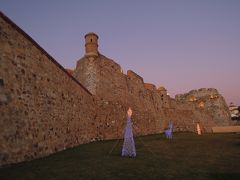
{"points": [[42, 108]]}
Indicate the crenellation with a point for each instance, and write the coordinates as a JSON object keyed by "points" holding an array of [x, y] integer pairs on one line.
{"points": [[150, 86], [134, 76]]}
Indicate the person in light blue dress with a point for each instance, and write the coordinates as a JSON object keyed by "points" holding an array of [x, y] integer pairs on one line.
{"points": [[128, 148], [168, 131]]}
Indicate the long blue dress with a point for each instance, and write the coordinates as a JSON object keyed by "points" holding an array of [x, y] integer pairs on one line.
{"points": [[168, 131], [128, 143]]}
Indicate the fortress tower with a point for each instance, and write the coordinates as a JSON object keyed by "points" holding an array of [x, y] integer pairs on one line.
{"points": [[91, 44]]}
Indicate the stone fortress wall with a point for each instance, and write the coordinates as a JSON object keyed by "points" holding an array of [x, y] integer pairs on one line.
{"points": [[45, 109], [152, 107]]}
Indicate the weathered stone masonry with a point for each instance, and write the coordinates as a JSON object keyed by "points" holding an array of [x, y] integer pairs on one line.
{"points": [[44, 109], [153, 108]]}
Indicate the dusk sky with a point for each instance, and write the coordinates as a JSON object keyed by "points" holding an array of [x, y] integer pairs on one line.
{"points": [[179, 44]]}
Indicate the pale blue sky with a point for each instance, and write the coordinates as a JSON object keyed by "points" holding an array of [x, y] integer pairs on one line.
{"points": [[179, 44]]}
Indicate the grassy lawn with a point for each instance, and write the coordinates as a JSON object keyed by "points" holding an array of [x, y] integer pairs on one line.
{"points": [[186, 156]]}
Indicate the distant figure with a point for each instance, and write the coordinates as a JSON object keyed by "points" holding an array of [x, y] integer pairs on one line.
{"points": [[128, 143], [168, 131], [198, 129]]}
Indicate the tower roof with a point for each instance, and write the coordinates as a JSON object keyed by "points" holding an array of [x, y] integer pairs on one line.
{"points": [[91, 33]]}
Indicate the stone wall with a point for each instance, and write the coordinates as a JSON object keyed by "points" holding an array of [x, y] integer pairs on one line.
{"points": [[114, 93], [110, 90], [152, 107], [42, 108]]}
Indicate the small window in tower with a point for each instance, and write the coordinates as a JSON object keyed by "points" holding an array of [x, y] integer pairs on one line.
{"points": [[91, 40]]}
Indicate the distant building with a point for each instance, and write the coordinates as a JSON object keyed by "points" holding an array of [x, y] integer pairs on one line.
{"points": [[234, 111]]}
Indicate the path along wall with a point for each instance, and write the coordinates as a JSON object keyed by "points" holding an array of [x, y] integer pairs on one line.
{"points": [[42, 108]]}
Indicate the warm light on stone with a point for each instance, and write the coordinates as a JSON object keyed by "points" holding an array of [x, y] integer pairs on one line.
{"points": [[201, 105], [192, 99], [198, 129]]}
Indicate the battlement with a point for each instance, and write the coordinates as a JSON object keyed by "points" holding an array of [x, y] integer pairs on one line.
{"points": [[132, 75], [150, 86]]}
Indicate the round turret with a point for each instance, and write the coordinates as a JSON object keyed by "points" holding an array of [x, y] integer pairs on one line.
{"points": [[91, 44]]}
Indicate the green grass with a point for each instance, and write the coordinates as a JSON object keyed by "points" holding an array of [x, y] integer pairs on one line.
{"points": [[186, 156]]}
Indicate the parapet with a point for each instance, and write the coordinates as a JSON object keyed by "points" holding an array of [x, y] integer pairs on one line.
{"points": [[161, 88], [134, 75], [91, 34], [70, 71], [150, 86]]}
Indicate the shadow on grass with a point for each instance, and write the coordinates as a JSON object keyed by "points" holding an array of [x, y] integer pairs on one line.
{"points": [[238, 144], [224, 176]]}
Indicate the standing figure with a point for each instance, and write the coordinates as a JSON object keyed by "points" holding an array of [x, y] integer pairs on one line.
{"points": [[198, 129], [128, 148], [168, 131]]}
